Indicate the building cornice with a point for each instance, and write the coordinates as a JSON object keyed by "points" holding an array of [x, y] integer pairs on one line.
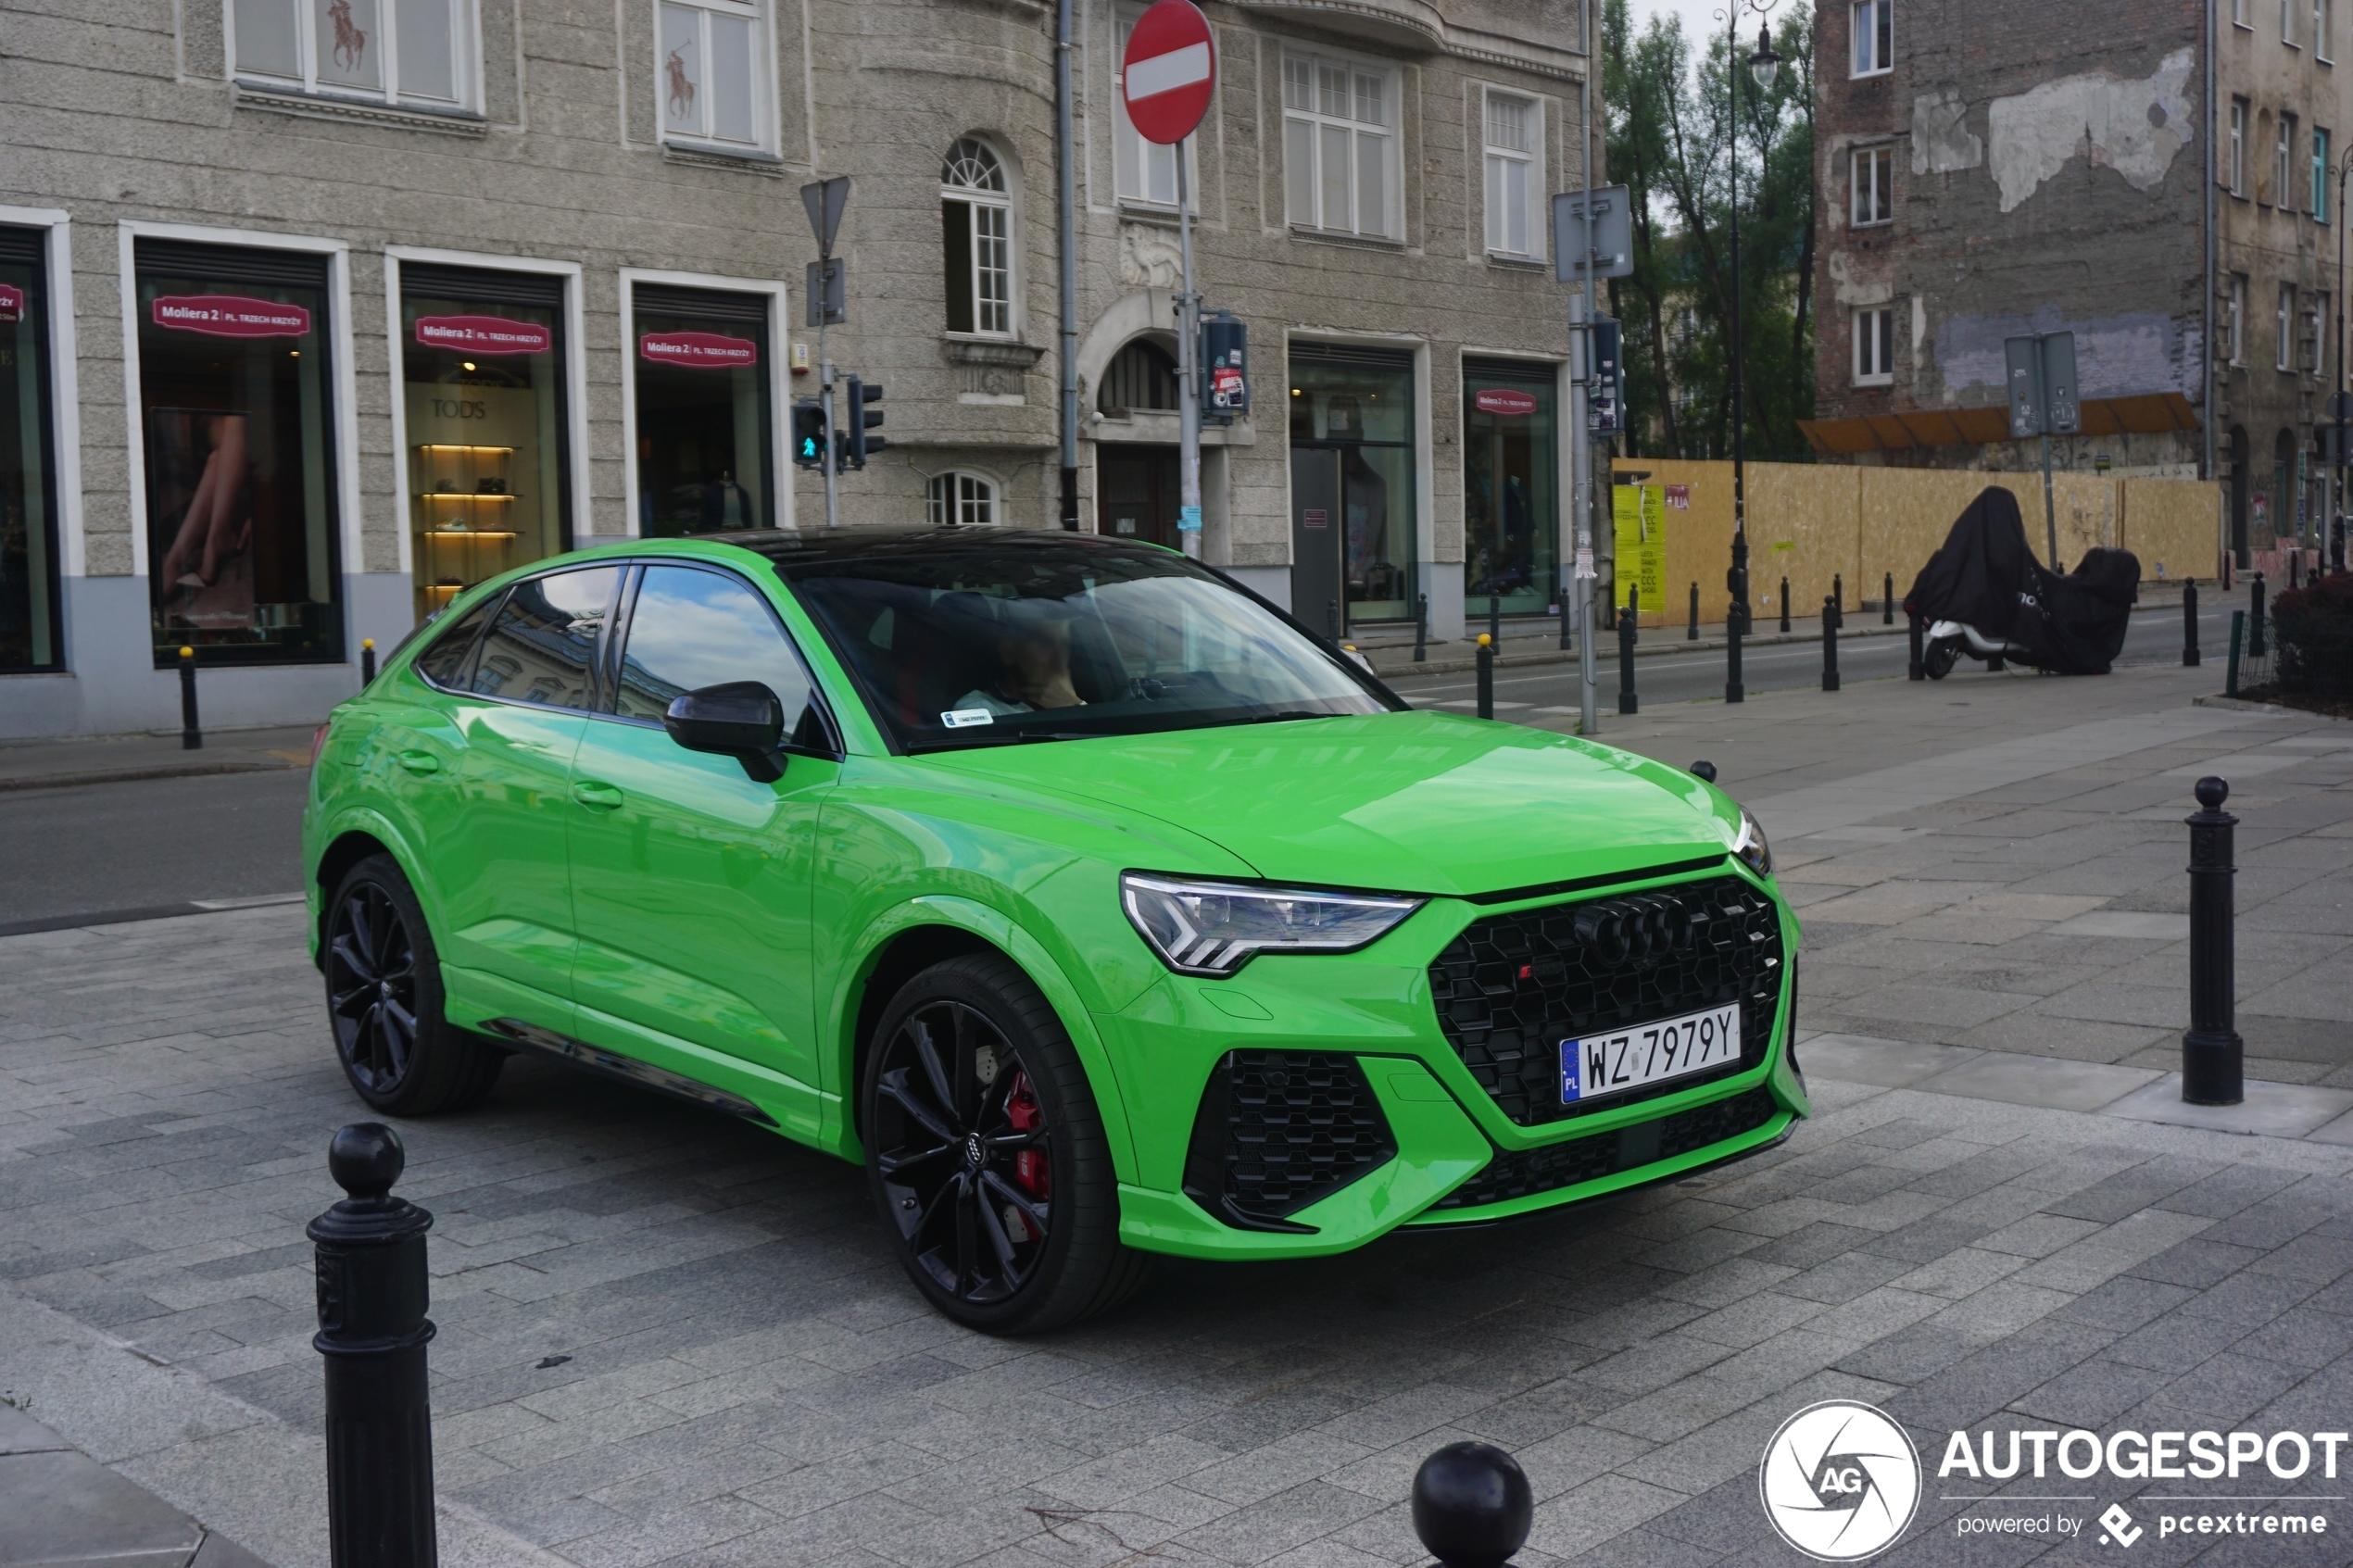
{"points": [[1420, 25]]}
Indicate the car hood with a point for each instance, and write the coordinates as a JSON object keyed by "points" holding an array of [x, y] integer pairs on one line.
{"points": [[1412, 802]]}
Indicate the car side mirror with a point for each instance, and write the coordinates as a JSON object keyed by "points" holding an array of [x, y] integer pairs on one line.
{"points": [[741, 719]]}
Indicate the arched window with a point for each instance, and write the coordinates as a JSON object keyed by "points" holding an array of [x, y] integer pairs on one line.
{"points": [[961, 499], [977, 218], [1142, 375]]}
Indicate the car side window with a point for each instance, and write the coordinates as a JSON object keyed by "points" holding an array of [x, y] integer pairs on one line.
{"points": [[542, 647], [691, 628], [446, 662]]}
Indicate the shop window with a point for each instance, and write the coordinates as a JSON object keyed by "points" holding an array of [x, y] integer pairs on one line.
{"points": [[1142, 375], [713, 76], [237, 422], [1515, 175], [28, 630], [1874, 184], [1353, 484], [1874, 346], [1340, 148], [1873, 27], [963, 500], [1145, 171], [1511, 494], [483, 366], [704, 420], [422, 54], [976, 215]]}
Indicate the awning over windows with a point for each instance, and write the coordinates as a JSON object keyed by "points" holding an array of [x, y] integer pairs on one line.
{"points": [[2153, 414]]}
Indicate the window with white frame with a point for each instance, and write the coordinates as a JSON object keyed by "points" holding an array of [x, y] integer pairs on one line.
{"points": [[422, 54], [1339, 146], [976, 229], [1875, 345], [2284, 358], [1873, 22], [2320, 175], [962, 499], [2324, 30], [1515, 175], [1874, 190], [1143, 172], [711, 74], [2234, 321], [2283, 163], [2287, 23], [2238, 15], [2238, 165]]}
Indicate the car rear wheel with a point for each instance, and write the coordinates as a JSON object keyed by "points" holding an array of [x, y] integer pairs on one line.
{"points": [[384, 999], [986, 1153]]}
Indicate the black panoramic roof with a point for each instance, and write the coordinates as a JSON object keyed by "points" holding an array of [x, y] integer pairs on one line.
{"points": [[791, 549]]}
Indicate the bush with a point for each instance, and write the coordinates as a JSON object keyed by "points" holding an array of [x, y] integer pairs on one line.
{"points": [[2313, 626]]}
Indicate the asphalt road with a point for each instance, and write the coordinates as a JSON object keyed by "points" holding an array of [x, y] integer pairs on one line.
{"points": [[101, 849], [2154, 638]]}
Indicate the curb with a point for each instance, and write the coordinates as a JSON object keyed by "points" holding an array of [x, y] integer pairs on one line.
{"points": [[130, 775], [2241, 705]]}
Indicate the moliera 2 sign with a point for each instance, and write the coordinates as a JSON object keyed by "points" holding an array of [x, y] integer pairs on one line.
{"points": [[228, 315], [484, 334], [1503, 400], [699, 351], [12, 303]]}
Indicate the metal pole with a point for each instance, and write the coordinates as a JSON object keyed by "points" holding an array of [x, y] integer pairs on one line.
{"points": [[1784, 604], [1627, 701], [191, 732], [1580, 437], [1066, 240], [1887, 601], [1830, 617], [2254, 649], [2050, 512], [2231, 670], [1486, 676], [1736, 618], [1189, 376], [1740, 422], [2189, 623], [1916, 670], [825, 382], [2213, 1059], [1421, 627], [1691, 634]]}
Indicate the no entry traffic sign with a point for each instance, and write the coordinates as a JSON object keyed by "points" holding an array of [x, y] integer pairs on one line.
{"points": [[1170, 72]]}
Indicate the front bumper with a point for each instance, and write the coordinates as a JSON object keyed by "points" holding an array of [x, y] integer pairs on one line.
{"points": [[1459, 1158]]}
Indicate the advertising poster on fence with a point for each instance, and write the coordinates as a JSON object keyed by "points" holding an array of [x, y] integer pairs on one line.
{"points": [[1642, 542]]}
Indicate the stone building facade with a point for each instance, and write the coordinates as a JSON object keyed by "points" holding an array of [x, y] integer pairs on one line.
{"points": [[314, 313], [1988, 174]]}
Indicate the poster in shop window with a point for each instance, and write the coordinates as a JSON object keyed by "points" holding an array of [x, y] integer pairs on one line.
{"points": [[201, 489], [1640, 534]]}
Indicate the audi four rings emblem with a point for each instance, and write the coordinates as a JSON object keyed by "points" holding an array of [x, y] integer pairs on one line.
{"points": [[1840, 1481]]}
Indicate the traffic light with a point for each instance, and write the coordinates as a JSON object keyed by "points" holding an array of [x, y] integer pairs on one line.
{"points": [[861, 419], [807, 434]]}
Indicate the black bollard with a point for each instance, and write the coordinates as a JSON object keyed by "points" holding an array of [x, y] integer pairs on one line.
{"points": [[366, 662], [2213, 1064], [1472, 1505], [2254, 619], [1784, 604], [2189, 622], [2294, 567], [373, 1329], [1704, 768], [1486, 676], [1838, 592], [2231, 670], [1887, 601], [1627, 701], [1421, 628], [191, 732], [1829, 645], [1737, 579], [1734, 624], [1495, 618], [1692, 634], [1918, 668]]}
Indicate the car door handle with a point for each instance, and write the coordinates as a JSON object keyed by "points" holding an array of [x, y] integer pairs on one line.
{"points": [[421, 762], [596, 795]]}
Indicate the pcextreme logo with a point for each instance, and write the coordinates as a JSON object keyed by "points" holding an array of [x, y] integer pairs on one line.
{"points": [[1840, 1481]]}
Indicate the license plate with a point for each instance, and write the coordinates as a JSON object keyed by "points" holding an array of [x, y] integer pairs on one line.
{"points": [[1600, 1065]]}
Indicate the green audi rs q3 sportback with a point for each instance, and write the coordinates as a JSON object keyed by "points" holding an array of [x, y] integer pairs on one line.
{"points": [[1093, 905]]}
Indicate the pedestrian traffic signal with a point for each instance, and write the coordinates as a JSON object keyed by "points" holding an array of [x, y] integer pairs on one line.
{"points": [[807, 434], [861, 419]]}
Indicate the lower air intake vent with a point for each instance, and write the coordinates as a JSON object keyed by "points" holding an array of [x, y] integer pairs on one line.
{"points": [[1522, 1172], [1279, 1130]]}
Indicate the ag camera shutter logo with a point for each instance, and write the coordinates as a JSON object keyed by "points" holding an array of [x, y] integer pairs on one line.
{"points": [[1840, 1481]]}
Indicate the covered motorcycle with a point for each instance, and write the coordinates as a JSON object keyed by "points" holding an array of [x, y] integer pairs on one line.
{"points": [[1984, 594]]}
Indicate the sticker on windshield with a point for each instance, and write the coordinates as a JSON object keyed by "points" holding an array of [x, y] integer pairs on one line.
{"points": [[957, 718]]}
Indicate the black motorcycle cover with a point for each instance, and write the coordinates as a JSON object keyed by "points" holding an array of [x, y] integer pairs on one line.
{"points": [[1984, 576]]}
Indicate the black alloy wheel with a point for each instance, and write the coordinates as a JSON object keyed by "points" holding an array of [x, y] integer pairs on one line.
{"points": [[986, 1154], [384, 1000]]}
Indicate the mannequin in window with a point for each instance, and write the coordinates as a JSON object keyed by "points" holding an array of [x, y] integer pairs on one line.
{"points": [[217, 528]]}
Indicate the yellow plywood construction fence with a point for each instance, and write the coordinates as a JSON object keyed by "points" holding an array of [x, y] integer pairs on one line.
{"points": [[1820, 524]]}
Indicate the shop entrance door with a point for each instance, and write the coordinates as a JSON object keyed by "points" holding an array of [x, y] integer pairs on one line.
{"points": [[1138, 499], [1317, 523]]}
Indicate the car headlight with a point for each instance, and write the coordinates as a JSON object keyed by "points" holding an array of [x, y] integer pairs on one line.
{"points": [[1214, 928], [1753, 852]]}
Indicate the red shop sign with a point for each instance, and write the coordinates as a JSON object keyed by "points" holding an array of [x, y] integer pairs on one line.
{"points": [[699, 351], [228, 315], [12, 303], [484, 334], [1503, 400]]}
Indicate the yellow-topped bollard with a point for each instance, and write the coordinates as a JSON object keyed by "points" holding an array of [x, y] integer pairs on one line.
{"points": [[366, 661], [191, 734], [1486, 676]]}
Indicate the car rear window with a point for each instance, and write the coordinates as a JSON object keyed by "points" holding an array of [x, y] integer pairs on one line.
{"points": [[447, 660]]}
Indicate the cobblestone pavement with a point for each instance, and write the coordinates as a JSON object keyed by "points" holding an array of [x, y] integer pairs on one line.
{"points": [[668, 1337]]}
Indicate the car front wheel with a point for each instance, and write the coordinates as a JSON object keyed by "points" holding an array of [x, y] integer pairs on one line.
{"points": [[986, 1153], [383, 1000]]}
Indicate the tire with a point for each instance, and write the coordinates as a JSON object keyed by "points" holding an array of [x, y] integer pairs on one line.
{"points": [[1938, 659], [400, 1052], [986, 1153]]}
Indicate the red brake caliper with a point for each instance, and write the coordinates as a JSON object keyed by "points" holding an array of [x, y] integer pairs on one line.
{"points": [[1031, 1167]]}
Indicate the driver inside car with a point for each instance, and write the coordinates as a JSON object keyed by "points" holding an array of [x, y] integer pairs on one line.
{"points": [[1033, 655]]}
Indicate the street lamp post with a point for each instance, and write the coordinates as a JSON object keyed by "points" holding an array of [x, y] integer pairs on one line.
{"points": [[1762, 66], [2332, 514]]}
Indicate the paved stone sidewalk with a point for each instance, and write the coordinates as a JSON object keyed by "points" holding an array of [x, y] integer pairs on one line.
{"points": [[64, 1510]]}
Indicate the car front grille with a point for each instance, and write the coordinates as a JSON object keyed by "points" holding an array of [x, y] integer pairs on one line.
{"points": [[1522, 1172], [1279, 1130], [1512, 987]]}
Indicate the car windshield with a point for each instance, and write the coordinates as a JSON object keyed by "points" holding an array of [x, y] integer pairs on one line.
{"points": [[970, 641]]}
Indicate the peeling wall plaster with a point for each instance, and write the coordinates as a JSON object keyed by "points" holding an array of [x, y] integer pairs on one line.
{"points": [[1848, 289], [1942, 141], [2123, 355], [2133, 127]]}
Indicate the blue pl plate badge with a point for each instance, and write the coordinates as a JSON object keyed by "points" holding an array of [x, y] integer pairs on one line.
{"points": [[1570, 1056]]}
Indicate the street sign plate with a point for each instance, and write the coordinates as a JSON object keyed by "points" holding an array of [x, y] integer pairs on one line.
{"points": [[825, 199], [2026, 387], [1613, 238], [2058, 383], [1170, 72], [2042, 385], [826, 292]]}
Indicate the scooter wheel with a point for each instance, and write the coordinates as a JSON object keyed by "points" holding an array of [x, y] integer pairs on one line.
{"points": [[1938, 659]]}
